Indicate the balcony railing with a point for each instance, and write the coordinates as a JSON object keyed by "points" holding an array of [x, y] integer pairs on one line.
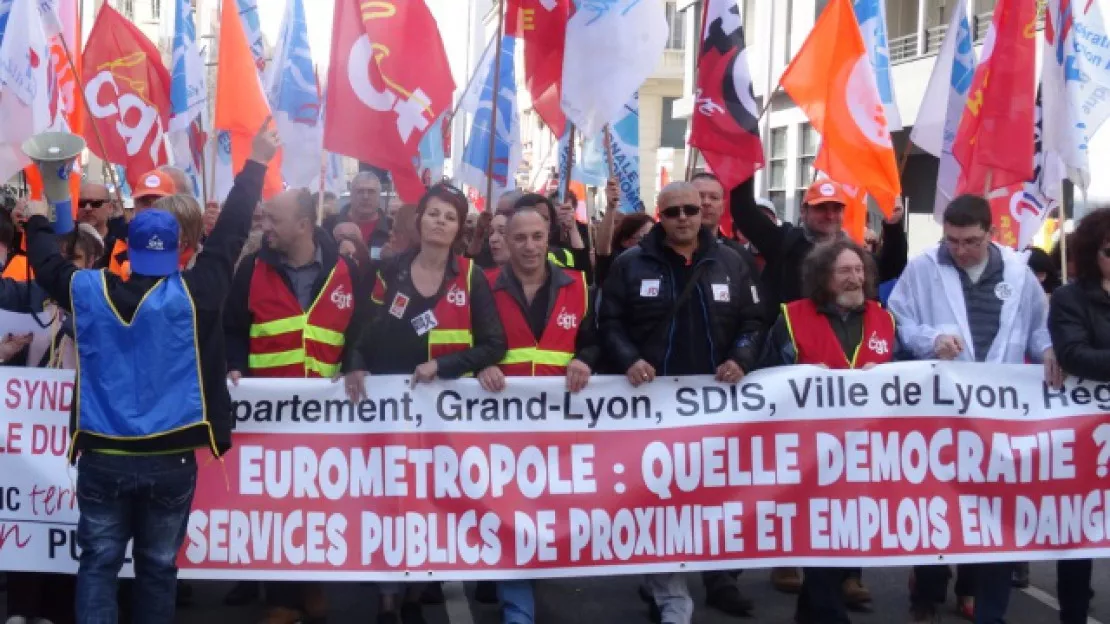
{"points": [[934, 38], [902, 48]]}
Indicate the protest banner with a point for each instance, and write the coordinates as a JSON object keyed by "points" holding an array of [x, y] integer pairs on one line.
{"points": [[908, 463]]}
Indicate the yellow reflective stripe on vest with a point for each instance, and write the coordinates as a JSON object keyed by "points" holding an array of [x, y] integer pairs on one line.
{"points": [[450, 336], [278, 327], [537, 356], [326, 336], [320, 368], [273, 360]]}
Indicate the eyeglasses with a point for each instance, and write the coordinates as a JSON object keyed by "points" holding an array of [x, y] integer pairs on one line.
{"points": [[673, 212], [91, 203]]}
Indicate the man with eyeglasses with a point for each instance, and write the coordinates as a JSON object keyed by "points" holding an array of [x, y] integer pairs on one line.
{"points": [[679, 303], [971, 300], [365, 211]]}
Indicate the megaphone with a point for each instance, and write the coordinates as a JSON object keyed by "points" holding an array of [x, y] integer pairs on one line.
{"points": [[53, 154]]}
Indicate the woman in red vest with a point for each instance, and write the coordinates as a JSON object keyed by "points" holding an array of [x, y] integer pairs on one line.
{"points": [[433, 318], [838, 325]]}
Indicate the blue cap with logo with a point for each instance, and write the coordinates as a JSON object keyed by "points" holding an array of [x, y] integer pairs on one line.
{"points": [[152, 243]]}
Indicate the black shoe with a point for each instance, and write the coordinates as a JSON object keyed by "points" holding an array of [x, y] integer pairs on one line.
{"points": [[412, 613], [1020, 575], [184, 594], [485, 592], [433, 594], [244, 593], [729, 600]]}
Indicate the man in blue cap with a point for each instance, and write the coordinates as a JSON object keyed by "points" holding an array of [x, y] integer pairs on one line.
{"points": [[150, 391]]}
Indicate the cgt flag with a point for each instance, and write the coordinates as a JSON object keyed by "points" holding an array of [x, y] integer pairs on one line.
{"points": [[994, 143], [726, 119], [541, 25], [388, 81], [128, 90], [844, 106]]}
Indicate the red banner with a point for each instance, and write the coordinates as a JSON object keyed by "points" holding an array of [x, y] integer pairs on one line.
{"points": [[128, 90], [388, 81], [909, 463]]}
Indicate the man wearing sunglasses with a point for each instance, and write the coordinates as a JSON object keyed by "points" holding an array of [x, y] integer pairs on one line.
{"points": [[94, 206], [680, 303]]}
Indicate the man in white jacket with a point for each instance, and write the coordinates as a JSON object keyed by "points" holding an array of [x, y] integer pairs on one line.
{"points": [[971, 300]]}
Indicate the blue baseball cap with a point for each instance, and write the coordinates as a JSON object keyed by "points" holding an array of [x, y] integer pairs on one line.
{"points": [[152, 243]]}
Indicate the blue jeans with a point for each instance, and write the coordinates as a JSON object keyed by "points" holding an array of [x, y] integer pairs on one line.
{"points": [[992, 592], [144, 498], [518, 603]]}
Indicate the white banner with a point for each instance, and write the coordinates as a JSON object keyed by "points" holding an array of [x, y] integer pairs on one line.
{"points": [[908, 463]]}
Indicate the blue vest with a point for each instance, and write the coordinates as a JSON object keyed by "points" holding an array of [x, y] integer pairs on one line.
{"points": [[136, 380]]}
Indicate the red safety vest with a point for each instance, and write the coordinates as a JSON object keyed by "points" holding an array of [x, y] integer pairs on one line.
{"points": [[555, 349], [816, 343], [452, 332], [286, 341]]}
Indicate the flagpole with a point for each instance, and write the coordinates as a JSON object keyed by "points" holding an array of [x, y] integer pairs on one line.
{"points": [[92, 119], [495, 96], [570, 162], [765, 139], [609, 152], [323, 184], [203, 166]]}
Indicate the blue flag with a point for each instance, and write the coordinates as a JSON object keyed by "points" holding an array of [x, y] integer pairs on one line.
{"points": [[871, 15], [295, 100], [505, 134], [431, 154]]}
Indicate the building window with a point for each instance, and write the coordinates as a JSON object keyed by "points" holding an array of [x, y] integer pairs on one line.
{"points": [[672, 132], [788, 49], [127, 7], [808, 143], [776, 170], [749, 22], [156, 9], [676, 22]]}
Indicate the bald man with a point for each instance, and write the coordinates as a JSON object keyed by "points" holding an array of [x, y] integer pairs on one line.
{"points": [[94, 206], [682, 304], [181, 181]]}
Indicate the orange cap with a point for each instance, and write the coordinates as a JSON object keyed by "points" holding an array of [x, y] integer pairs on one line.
{"points": [[825, 191], [154, 184]]}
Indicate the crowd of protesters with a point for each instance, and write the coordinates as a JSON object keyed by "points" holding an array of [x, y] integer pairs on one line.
{"points": [[296, 286]]}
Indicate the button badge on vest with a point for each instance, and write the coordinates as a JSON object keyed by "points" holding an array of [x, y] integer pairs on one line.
{"points": [[424, 323]]}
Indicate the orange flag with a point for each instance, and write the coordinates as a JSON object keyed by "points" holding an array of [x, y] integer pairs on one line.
{"points": [[832, 81], [241, 105]]}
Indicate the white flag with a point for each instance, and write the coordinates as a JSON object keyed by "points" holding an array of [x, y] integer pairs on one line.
{"points": [[612, 47], [1075, 80], [938, 118], [26, 86], [295, 100]]}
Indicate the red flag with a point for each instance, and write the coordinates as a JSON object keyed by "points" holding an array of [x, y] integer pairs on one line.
{"points": [[726, 119], [542, 26], [831, 79], [996, 130], [128, 90], [383, 97]]}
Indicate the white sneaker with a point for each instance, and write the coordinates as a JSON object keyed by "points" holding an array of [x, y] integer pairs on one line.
{"points": [[16, 619]]}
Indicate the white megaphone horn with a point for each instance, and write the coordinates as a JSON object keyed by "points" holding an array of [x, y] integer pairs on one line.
{"points": [[53, 154]]}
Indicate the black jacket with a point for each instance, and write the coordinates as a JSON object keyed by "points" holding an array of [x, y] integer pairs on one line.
{"points": [[634, 326], [1079, 322], [209, 282], [379, 345], [586, 347], [785, 247], [237, 316]]}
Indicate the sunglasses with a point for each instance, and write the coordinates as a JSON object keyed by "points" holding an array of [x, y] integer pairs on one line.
{"points": [[91, 203], [673, 212]]}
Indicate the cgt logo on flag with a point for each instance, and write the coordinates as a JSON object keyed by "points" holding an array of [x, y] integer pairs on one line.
{"points": [[864, 105]]}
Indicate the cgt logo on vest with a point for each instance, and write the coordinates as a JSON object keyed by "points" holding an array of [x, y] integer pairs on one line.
{"points": [[341, 299], [566, 320], [878, 345], [456, 296]]}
